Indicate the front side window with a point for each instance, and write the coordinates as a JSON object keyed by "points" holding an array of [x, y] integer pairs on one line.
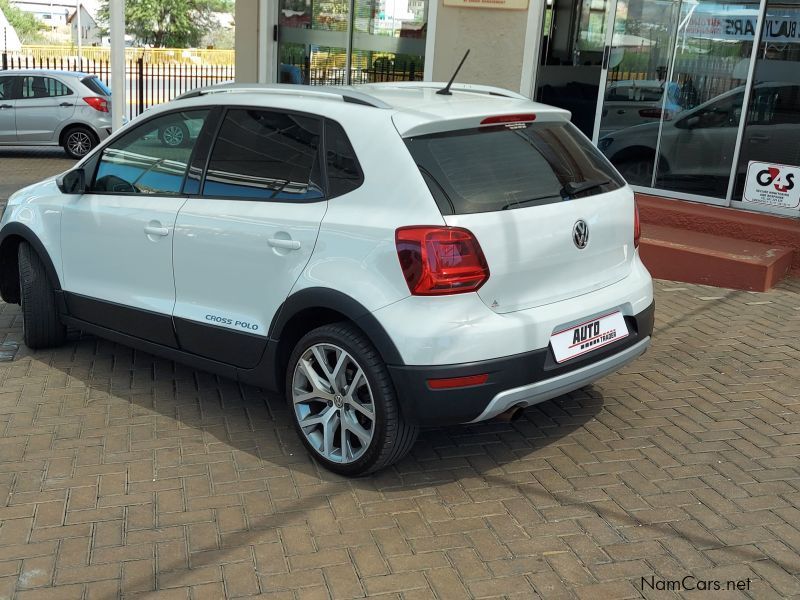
{"points": [[500, 168], [6, 88], [34, 86], [151, 158], [265, 155]]}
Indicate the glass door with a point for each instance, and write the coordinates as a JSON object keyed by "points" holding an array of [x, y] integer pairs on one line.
{"points": [[571, 56], [637, 94]]}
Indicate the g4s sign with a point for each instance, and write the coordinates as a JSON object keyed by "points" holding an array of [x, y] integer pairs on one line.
{"points": [[772, 184], [783, 182]]}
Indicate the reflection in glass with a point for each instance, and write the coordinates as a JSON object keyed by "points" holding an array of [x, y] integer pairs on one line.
{"points": [[572, 56], [637, 92], [773, 115], [713, 52], [386, 38]]}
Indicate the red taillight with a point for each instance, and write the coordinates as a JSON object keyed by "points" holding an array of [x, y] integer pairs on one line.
{"points": [[637, 226], [440, 260], [458, 382], [507, 119], [97, 103], [655, 113]]}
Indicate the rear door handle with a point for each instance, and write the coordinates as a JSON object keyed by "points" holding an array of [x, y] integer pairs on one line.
{"points": [[156, 230], [285, 244], [6, 106], [66, 104], [757, 139]]}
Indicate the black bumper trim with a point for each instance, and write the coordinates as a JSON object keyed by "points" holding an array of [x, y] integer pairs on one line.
{"points": [[424, 406]]}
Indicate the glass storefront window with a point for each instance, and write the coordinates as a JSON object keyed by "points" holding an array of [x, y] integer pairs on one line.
{"points": [[773, 114], [385, 38]]}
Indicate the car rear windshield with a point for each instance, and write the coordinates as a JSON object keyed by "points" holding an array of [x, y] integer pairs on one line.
{"points": [[96, 86], [511, 166]]}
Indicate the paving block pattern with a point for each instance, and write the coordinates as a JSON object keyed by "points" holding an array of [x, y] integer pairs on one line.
{"points": [[124, 475]]}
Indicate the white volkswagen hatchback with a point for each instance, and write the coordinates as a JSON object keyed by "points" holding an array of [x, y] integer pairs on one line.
{"points": [[388, 257]]}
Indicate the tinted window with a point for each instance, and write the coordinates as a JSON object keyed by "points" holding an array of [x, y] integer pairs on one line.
{"points": [[344, 172], [264, 155], [151, 158], [6, 85], [34, 86], [497, 168], [96, 86]]}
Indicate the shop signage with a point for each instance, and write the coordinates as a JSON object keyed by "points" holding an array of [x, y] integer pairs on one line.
{"points": [[772, 184], [743, 27], [498, 4]]}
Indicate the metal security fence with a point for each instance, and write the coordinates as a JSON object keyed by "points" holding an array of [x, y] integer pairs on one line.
{"points": [[322, 75], [148, 84]]}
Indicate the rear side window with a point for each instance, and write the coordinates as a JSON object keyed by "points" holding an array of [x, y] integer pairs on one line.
{"points": [[34, 86], [96, 86], [344, 172], [505, 167], [265, 155]]}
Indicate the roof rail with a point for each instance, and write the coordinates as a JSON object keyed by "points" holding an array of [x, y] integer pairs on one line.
{"points": [[459, 87], [346, 95]]}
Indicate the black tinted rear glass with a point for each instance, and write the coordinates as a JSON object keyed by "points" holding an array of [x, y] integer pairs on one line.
{"points": [[499, 168], [96, 86], [344, 172]]}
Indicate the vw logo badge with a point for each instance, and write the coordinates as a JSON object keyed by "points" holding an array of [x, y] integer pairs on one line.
{"points": [[580, 234]]}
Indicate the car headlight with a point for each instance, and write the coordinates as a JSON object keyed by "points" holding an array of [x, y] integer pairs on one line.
{"points": [[604, 143]]}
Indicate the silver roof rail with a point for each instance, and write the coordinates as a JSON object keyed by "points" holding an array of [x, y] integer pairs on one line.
{"points": [[345, 94], [459, 87]]}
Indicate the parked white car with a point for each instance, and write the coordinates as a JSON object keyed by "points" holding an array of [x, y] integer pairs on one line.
{"points": [[387, 257], [54, 108], [634, 101], [697, 145]]}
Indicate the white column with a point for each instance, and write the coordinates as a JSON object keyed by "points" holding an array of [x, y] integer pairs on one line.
{"points": [[117, 32], [80, 33]]}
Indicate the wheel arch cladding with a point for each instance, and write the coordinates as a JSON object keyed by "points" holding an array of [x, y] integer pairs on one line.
{"points": [[310, 308], [11, 236]]}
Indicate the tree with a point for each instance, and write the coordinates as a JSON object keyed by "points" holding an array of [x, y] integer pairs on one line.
{"points": [[25, 24], [168, 23]]}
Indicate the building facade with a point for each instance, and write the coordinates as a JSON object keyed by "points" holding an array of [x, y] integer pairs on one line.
{"points": [[690, 99]]}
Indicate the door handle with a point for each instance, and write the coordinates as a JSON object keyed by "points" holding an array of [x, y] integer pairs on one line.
{"points": [[285, 244], [66, 104], [6, 106], [156, 230], [758, 139]]}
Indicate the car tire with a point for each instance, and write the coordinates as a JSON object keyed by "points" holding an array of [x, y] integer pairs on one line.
{"points": [[174, 135], [359, 393], [79, 141], [636, 171], [41, 325]]}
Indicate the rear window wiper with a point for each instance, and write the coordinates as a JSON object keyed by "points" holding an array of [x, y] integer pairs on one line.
{"points": [[521, 202], [571, 187]]}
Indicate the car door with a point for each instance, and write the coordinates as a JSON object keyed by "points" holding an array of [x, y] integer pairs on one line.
{"points": [[241, 244], [44, 103], [8, 102], [116, 239]]}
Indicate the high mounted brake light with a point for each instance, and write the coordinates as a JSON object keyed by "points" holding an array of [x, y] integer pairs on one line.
{"points": [[440, 260], [509, 119]]}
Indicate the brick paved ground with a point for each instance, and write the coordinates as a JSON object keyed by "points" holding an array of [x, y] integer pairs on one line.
{"points": [[18, 170], [121, 474]]}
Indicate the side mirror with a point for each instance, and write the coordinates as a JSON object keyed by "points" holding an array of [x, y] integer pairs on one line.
{"points": [[72, 182]]}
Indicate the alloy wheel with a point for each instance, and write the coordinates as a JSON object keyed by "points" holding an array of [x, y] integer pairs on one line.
{"points": [[333, 403], [172, 135], [79, 143]]}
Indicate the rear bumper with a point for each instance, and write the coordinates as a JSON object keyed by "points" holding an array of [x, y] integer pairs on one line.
{"points": [[518, 380]]}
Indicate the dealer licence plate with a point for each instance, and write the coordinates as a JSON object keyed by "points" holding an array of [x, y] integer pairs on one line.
{"points": [[588, 336]]}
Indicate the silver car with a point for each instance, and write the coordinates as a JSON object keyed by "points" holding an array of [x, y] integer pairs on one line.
{"points": [[54, 108]]}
